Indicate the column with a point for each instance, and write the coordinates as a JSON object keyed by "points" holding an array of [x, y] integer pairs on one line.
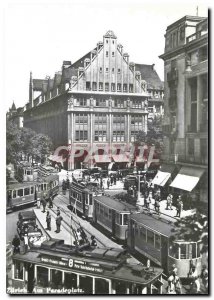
{"points": [[110, 135], [128, 128], [49, 275], [78, 280], [25, 274], [93, 285], [71, 142], [199, 107], [35, 273], [63, 277], [91, 137]]}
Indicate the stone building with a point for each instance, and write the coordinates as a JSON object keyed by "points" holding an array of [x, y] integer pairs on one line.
{"points": [[15, 115], [186, 104], [100, 101]]}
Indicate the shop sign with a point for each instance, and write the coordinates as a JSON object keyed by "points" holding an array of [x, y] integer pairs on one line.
{"points": [[73, 264]]}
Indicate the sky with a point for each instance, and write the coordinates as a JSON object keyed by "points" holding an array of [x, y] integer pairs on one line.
{"points": [[38, 35]]}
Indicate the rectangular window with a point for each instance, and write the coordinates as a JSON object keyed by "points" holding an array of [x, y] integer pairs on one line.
{"points": [[32, 190], [81, 136], [106, 53], [157, 241], [143, 233], [94, 86], [118, 136], [101, 69], [81, 119], [191, 146], [14, 194], [131, 88], [42, 277], [100, 86], [106, 86], [112, 70], [88, 86], [112, 53], [56, 278], [100, 136], [110, 214], [19, 270], [125, 219], [118, 71], [113, 87], [136, 229], [101, 209], [119, 87], [150, 237], [137, 104], [20, 193], [125, 87], [106, 212], [106, 70], [117, 218], [27, 191], [81, 102]]}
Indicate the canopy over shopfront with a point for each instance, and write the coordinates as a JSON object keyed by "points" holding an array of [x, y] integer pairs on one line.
{"points": [[102, 158], [163, 174], [56, 158], [120, 158], [187, 178]]}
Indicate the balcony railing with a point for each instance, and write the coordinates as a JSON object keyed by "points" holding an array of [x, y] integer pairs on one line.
{"points": [[196, 35]]}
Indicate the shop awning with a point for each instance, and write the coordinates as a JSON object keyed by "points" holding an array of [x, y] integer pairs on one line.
{"points": [[161, 178], [187, 178], [56, 158], [120, 158], [102, 158]]}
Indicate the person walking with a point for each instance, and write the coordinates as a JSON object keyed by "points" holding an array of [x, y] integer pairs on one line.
{"points": [[16, 244], [179, 207], [48, 220], [169, 202], [112, 180], [204, 277], [58, 223], [44, 203], [108, 183], [195, 283]]}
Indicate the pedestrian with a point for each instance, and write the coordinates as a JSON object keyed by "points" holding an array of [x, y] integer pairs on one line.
{"points": [[108, 183], [58, 211], [112, 180], [44, 203], [179, 207], [169, 202], [79, 237], [64, 187], [58, 223], [83, 235], [193, 274], [16, 244], [68, 183], [204, 276], [101, 183], [93, 241], [48, 220], [115, 180], [157, 206]]}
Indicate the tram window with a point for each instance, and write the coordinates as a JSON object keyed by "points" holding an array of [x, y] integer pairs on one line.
{"points": [[70, 280], [45, 186], [14, 194], [86, 284], [110, 214], [199, 246], [157, 241], [98, 207], [117, 219], [42, 187], [29, 172], [174, 250], [150, 237], [38, 188], [56, 279], [42, 276], [183, 251], [106, 212], [125, 219], [20, 193], [19, 270], [121, 219], [27, 191], [90, 200], [136, 229], [101, 209], [119, 287], [101, 286], [32, 190], [143, 233]]}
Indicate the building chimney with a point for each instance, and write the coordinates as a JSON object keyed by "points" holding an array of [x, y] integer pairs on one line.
{"points": [[31, 91]]}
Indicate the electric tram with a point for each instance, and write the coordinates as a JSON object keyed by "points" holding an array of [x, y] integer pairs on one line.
{"points": [[57, 268], [150, 237]]}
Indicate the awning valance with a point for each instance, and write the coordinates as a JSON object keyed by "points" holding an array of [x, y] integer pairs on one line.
{"points": [[120, 158], [161, 178], [102, 158], [187, 178]]}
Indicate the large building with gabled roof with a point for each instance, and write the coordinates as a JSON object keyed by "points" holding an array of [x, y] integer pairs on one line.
{"points": [[101, 101]]}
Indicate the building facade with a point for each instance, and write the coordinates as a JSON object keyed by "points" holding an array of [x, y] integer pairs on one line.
{"points": [[15, 115], [186, 100], [100, 102]]}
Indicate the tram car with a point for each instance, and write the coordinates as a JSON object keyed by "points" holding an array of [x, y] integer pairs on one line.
{"points": [[150, 237], [81, 198], [57, 268], [26, 193], [112, 216]]}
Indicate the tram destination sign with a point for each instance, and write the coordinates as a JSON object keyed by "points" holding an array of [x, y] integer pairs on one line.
{"points": [[72, 264]]}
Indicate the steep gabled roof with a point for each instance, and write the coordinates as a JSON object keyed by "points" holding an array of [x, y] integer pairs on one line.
{"points": [[13, 107], [38, 83], [111, 34], [149, 74]]}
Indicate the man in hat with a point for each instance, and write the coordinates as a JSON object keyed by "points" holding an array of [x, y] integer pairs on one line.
{"points": [[48, 220]]}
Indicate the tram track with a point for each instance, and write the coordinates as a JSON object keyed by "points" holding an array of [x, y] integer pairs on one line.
{"points": [[69, 214]]}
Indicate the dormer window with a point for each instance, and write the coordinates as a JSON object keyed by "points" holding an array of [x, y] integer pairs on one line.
{"points": [[106, 41]]}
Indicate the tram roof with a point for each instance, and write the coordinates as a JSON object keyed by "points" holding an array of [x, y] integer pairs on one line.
{"points": [[20, 185], [103, 267], [114, 203], [159, 225]]}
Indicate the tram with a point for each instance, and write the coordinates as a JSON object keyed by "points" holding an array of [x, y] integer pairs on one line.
{"points": [[112, 216], [81, 198], [57, 268], [20, 194], [150, 237]]}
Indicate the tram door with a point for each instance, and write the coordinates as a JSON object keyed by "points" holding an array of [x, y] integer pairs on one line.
{"points": [[164, 253], [30, 284]]}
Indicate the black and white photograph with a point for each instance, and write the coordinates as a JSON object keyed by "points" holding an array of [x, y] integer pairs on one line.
{"points": [[106, 122]]}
